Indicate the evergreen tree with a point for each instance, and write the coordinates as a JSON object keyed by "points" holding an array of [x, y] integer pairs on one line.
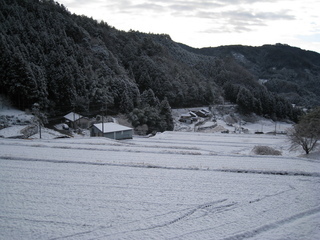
{"points": [[53, 57], [245, 100], [148, 98], [166, 116], [126, 104]]}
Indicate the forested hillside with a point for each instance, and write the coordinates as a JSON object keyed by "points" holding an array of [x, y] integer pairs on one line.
{"points": [[68, 62], [291, 72], [63, 61]]}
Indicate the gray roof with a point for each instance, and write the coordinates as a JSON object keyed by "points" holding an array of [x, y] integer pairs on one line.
{"points": [[73, 116], [111, 127]]}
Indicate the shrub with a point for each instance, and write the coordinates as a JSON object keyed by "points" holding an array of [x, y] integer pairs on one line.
{"points": [[265, 150]]}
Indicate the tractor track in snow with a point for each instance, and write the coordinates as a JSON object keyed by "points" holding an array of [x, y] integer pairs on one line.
{"points": [[270, 226], [146, 149], [240, 171]]}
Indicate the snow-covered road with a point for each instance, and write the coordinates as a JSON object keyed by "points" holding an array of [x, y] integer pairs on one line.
{"points": [[172, 186]]}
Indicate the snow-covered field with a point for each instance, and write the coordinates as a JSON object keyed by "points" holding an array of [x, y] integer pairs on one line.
{"points": [[176, 185]]}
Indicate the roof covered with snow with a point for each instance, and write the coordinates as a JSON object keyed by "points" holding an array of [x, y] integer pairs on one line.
{"points": [[73, 116], [111, 127], [12, 132]]}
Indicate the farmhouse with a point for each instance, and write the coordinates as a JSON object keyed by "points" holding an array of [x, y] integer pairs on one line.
{"points": [[75, 120], [203, 113], [190, 117], [111, 130]]}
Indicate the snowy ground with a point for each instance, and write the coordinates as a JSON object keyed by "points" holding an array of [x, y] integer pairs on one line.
{"points": [[259, 124], [176, 185]]}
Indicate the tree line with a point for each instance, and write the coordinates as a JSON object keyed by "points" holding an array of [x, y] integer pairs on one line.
{"points": [[66, 62]]}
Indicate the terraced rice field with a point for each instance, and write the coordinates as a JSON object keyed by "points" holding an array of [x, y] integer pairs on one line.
{"points": [[172, 186]]}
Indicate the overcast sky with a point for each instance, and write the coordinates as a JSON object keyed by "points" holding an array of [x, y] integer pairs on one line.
{"points": [[205, 23]]}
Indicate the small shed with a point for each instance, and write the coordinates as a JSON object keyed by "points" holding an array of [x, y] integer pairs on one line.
{"points": [[75, 120], [189, 117], [111, 130], [203, 113]]}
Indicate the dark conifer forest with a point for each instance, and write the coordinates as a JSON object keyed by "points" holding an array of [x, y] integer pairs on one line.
{"points": [[66, 62]]}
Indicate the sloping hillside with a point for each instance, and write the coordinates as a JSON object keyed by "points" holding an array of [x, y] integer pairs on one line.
{"points": [[62, 61], [288, 71], [67, 62]]}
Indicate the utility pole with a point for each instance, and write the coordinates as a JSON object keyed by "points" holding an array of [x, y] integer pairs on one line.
{"points": [[103, 111], [74, 116], [40, 129], [102, 123], [36, 112]]}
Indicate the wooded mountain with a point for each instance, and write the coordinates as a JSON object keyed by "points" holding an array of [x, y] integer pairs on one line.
{"points": [[289, 71], [68, 62]]}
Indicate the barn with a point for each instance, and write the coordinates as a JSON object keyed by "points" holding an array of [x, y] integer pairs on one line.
{"points": [[111, 130], [75, 120]]}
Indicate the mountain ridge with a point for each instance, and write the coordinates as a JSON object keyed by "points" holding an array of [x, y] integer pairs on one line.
{"points": [[69, 62], [282, 64]]}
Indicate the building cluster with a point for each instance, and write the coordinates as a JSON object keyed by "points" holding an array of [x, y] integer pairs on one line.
{"points": [[104, 129], [193, 116]]}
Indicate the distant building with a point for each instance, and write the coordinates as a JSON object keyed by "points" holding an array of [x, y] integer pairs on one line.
{"points": [[203, 113], [75, 120], [111, 130], [190, 117]]}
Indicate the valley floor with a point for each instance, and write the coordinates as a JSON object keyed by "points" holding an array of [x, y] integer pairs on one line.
{"points": [[176, 185]]}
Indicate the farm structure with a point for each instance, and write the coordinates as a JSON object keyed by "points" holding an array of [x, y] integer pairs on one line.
{"points": [[189, 117], [75, 120], [193, 116], [111, 130]]}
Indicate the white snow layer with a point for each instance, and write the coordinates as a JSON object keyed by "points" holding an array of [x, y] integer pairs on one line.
{"points": [[172, 186]]}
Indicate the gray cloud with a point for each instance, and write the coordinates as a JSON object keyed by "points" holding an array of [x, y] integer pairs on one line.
{"points": [[232, 27], [148, 6], [78, 3], [211, 16], [170, 6], [239, 20], [258, 16], [239, 2], [188, 9], [202, 9]]}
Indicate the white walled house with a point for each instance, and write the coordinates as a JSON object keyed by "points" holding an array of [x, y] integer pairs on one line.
{"points": [[111, 130]]}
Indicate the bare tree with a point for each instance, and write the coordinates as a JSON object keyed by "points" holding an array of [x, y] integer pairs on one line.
{"points": [[307, 132]]}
